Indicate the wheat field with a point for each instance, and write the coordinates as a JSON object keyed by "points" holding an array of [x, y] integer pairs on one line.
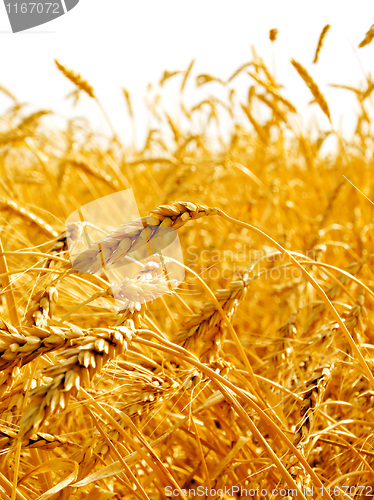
{"points": [[254, 376]]}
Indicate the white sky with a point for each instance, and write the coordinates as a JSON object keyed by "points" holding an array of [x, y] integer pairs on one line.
{"points": [[115, 43]]}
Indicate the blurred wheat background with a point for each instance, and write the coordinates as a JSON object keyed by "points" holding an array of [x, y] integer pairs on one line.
{"points": [[257, 371]]}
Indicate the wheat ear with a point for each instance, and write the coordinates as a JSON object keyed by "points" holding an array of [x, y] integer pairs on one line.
{"points": [[368, 37], [76, 79], [203, 333], [320, 42], [82, 360], [313, 87]]}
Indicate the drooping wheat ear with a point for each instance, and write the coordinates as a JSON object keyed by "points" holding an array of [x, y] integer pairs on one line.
{"points": [[315, 389], [28, 215], [152, 393], [41, 309], [19, 347], [204, 333], [136, 312], [320, 42], [368, 37], [313, 87], [83, 359], [76, 79], [134, 293], [134, 238]]}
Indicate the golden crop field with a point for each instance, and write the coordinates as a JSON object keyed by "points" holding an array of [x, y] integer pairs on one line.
{"points": [[254, 375]]}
